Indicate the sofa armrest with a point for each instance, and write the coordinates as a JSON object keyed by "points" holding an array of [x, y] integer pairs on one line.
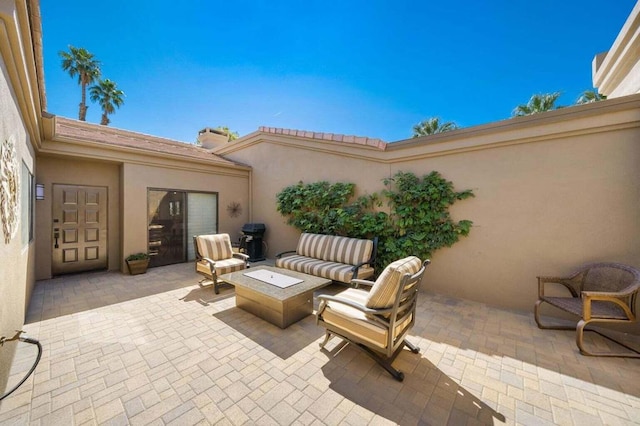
{"points": [[279, 255], [357, 282]]}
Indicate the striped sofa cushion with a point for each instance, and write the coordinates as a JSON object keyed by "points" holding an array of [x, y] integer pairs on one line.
{"points": [[215, 247], [348, 250], [312, 245], [297, 263], [383, 292], [336, 271]]}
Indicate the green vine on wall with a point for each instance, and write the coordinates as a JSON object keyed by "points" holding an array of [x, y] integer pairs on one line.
{"points": [[418, 222]]}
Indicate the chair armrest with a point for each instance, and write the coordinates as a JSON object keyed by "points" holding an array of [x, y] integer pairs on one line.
{"points": [[604, 296], [357, 282], [279, 255], [542, 280], [329, 298], [242, 256]]}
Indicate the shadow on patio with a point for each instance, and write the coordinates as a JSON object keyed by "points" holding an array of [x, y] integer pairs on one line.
{"points": [[157, 347]]}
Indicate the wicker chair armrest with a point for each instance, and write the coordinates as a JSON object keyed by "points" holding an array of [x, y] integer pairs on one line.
{"points": [[356, 282], [617, 298], [604, 295], [279, 255], [242, 256], [566, 282]]}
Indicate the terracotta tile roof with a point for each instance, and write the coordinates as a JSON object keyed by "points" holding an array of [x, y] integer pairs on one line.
{"points": [[334, 137], [80, 131]]}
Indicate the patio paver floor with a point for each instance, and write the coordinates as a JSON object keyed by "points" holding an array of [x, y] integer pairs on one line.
{"points": [[158, 349]]}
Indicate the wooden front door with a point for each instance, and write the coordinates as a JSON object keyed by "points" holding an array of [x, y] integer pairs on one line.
{"points": [[79, 228]]}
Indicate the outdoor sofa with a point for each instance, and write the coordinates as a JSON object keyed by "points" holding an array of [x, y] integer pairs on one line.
{"points": [[340, 259]]}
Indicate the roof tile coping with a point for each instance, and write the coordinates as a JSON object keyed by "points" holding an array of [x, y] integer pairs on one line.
{"points": [[79, 130], [334, 137]]}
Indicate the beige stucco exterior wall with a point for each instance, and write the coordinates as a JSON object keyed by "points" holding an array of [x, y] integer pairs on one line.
{"points": [[137, 178], [616, 73], [70, 171], [277, 164], [552, 191], [16, 257], [540, 208]]}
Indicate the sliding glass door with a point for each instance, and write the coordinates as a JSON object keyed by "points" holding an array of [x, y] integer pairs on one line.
{"points": [[173, 217]]}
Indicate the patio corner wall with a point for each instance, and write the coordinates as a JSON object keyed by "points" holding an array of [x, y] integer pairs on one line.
{"points": [[552, 190], [18, 124], [231, 185]]}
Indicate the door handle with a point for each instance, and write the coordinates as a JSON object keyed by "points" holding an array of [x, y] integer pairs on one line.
{"points": [[56, 235]]}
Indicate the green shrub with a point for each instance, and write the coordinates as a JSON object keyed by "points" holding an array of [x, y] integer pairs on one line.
{"points": [[418, 224]]}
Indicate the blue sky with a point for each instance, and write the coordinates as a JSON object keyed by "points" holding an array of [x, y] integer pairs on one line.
{"points": [[367, 68]]}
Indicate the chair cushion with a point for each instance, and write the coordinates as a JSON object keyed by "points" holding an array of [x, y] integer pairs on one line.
{"points": [[224, 266], [215, 247], [312, 245], [356, 323], [348, 250], [383, 292]]}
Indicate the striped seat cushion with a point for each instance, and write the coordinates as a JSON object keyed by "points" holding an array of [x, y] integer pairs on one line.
{"points": [[348, 250], [215, 247], [312, 245], [337, 271], [222, 266], [356, 322], [297, 263], [383, 292]]}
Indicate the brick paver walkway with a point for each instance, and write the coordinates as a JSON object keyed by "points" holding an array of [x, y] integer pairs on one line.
{"points": [[158, 349]]}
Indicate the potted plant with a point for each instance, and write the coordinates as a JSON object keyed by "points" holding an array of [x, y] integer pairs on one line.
{"points": [[137, 263]]}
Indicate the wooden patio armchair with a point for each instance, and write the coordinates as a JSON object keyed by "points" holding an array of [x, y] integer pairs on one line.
{"points": [[599, 293], [215, 256], [376, 321]]}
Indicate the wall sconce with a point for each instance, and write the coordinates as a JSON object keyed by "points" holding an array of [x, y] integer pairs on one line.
{"points": [[39, 191]]}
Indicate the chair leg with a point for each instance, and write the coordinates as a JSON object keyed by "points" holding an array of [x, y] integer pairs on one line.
{"points": [[383, 362], [536, 311], [413, 348], [327, 336], [580, 329]]}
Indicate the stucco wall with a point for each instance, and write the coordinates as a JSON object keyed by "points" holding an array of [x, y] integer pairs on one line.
{"points": [[16, 258], [552, 191], [137, 178], [69, 171], [276, 166], [540, 208], [616, 73]]}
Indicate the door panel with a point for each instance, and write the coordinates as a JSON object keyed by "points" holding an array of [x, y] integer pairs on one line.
{"points": [[79, 228], [166, 220]]}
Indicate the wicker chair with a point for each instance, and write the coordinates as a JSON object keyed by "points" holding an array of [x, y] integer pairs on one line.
{"points": [[600, 293], [214, 256], [376, 321]]}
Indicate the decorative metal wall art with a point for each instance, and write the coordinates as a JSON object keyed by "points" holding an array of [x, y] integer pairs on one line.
{"points": [[234, 209], [9, 189]]}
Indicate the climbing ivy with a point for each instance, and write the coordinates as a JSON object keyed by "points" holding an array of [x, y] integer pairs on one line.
{"points": [[418, 222]]}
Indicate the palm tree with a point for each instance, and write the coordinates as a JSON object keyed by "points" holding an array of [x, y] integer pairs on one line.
{"points": [[537, 103], [108, 96], [232, 135], [589, 96], [431, 126], [78, 61]]}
